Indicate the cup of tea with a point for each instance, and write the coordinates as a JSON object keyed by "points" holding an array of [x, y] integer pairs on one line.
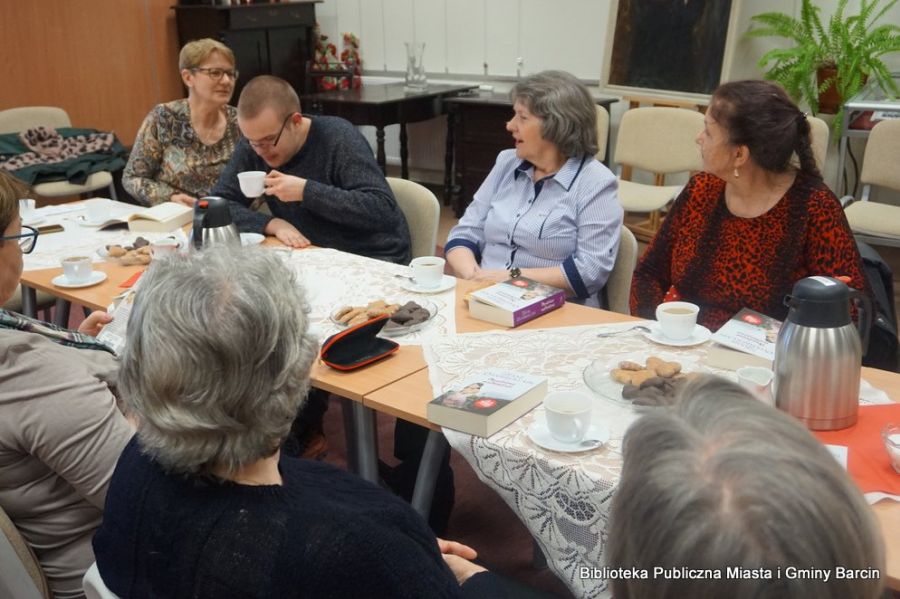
{"points": [[758, 381], [97, 210], [677, 319], [253, 183], [77, 269], [568, 415], [891, 437], [427, 271], [163, 248]]}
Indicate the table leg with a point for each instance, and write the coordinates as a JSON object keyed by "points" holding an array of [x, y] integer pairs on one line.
{"points": [[379, 153], [29, 301], [62, 313], [436, 447], [367, 444], [404, 153], [350, 434], [448, 157]]}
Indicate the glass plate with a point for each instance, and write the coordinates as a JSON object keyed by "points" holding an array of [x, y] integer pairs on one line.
{"points": [[597, 374], [395, 330]]}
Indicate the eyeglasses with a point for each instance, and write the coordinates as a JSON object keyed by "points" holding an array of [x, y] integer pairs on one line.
{"points": [[26, 240], [267, 142], [217, 74]]}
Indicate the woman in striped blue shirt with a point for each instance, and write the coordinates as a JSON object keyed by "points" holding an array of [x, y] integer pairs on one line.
{"points": [[548, 210]]}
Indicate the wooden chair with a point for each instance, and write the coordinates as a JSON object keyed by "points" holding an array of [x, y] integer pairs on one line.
{"points": [[602, 133], [874, 222], [21, 575], [422, 211], [662, 141], [616, 294], [15, 120]]}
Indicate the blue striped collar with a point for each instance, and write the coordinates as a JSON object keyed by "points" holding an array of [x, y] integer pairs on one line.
{"points": [[565, 176]]}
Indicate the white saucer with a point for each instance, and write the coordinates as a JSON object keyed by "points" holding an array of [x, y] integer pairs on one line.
{"points": [[447, 283], [33, 221], [98, 276], [541, 436], [252, 238], [700, 335]]}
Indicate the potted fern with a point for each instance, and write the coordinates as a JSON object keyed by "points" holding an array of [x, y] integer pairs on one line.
{"points": [[834, 60]]}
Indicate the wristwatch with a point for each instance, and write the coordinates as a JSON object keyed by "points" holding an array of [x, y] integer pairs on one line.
{"points": [[515, 272]]}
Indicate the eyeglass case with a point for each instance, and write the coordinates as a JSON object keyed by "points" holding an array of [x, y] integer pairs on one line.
{"points": [[357, 346]]}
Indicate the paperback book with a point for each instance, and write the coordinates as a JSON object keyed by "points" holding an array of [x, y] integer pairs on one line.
{"points": [[748, 339], [515, 301], [487, 401]]}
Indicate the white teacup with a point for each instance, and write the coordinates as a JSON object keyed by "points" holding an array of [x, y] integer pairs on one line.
{"points": [[758, 381], [677, 319], [97, 210], [77, 269], [26, 209], [163, 248], [427, 271], [568, 415], [253, 183]]}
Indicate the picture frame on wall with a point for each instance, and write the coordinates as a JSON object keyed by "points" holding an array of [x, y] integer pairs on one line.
{"points": [[674, 46]]}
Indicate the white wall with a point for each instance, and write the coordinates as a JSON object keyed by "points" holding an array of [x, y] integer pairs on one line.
{"points": [[473, 39]]}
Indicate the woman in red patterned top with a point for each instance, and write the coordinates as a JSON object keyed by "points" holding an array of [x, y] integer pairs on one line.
{"points": [[744, 231]]}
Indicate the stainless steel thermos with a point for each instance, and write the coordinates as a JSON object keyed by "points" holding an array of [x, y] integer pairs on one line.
{"points": [[818, 354], [212, 223]]}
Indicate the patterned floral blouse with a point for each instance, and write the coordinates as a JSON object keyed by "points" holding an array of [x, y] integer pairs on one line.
{"points": [[168, 156]]}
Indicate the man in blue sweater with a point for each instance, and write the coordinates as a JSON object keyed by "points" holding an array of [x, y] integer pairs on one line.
{"points": [[322, 186]]}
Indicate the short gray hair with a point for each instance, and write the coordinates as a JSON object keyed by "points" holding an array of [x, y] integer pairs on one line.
{"points": [[217, 361], [566, 108], [723, 480]]}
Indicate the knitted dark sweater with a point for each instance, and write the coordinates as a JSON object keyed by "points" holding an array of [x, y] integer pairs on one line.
{"points": [[347, 204], [323, 533]]}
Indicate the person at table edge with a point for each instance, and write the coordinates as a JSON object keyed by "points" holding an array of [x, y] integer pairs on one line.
{"points": [[183, 145], [548, 210], [742, 232], [323, 185]]}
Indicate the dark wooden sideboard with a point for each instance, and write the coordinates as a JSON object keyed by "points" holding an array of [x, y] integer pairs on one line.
{"points": [[476, 131], [267, 39]]}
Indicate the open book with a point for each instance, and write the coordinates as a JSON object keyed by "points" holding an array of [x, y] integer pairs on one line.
{"points": [[161, 218]]}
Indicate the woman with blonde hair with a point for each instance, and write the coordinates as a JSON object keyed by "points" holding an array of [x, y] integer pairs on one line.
{"points": [[183, 145]]}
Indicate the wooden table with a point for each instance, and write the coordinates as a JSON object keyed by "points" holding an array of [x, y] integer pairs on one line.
{"points": [[383, 105], [408, 399]]}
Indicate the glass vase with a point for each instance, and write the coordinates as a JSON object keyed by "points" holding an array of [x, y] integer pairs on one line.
{"points": [[415, 70]]}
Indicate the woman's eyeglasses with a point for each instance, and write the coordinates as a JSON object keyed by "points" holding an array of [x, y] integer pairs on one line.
{"points": [[217, 74], [26, 239]]}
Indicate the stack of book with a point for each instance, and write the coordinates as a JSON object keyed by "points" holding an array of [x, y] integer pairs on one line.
{"points": [[748, 339], [515, 301]]}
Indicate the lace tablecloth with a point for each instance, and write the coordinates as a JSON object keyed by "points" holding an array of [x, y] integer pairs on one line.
{"points": [[333, 279], [563, 498]]}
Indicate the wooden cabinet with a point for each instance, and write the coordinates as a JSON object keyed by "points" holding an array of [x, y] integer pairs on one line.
{"points": [[267, 39], [476, 131]]}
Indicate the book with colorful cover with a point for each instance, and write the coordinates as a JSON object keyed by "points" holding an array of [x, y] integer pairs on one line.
{"points": [[487, 401], [749, 332], [515, 301]]}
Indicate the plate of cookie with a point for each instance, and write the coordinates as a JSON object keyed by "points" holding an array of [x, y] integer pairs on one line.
{"points": [[406, 316], [641, 379]]}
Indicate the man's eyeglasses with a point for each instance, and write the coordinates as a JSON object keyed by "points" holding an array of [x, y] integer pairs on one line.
{"points": [[267, 142], [217, 74], [25, 239]]}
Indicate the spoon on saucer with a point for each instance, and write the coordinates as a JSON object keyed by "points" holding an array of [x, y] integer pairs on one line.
{"points": [[638, 327], [590, 443], [407, 277]]}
